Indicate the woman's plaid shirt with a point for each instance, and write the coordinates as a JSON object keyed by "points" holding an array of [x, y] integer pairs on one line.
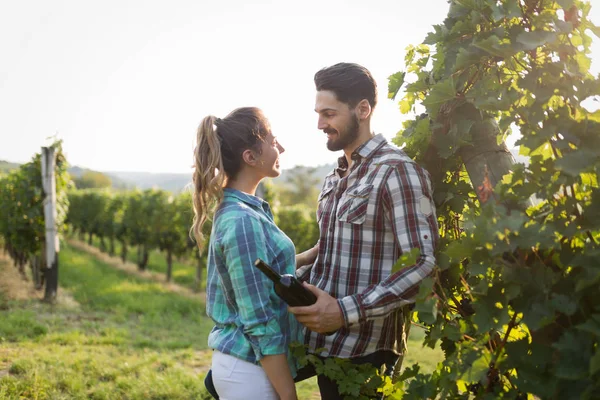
{"points": [[382, 208], [251, 321]]}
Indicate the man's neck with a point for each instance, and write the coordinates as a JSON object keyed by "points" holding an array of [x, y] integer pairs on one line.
{"points": [[362, 138]]}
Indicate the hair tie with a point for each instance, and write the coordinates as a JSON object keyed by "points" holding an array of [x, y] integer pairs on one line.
{"points": [[218, 121]]}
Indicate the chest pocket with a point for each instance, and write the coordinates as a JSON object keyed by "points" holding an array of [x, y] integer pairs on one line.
{"points": [[354, 204]]}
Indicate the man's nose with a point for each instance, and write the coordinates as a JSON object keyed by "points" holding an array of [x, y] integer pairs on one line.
{"points": [[280, 148], [321, 124]]}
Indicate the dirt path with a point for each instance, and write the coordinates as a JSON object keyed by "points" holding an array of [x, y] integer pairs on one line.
{"points": [[132, 269]]}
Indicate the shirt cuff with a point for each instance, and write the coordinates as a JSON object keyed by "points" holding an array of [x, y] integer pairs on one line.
{"points": [[351, 310], [267, 339]]}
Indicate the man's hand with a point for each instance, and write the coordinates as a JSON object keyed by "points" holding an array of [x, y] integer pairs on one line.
{"points": [[307, 257], [324, 316]]}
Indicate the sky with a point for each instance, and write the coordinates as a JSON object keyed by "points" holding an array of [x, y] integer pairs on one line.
{"points": [[125, 83]]}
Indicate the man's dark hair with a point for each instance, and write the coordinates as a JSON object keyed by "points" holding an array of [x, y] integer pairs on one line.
{"points": [[350, 82]]}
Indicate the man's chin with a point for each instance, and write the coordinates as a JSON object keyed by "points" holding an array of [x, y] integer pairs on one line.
{"points": [[333, 146]]}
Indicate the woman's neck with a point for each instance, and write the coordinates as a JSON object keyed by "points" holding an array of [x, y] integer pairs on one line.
{"points": [[245, 182]]}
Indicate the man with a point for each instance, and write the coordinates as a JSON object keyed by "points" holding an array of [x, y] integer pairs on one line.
{"points": [[375, 206]]}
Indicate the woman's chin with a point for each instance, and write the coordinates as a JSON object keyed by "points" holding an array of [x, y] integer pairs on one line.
{"points": [[275, 173]]}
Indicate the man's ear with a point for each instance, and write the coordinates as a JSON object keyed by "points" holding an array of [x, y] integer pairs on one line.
{"points": [[363, 109], [249, 157]]}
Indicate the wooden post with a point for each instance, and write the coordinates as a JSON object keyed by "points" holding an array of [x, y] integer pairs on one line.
{"points": [[52, 243]]}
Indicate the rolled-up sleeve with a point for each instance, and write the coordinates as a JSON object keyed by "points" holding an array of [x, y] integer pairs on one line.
{"points": [[408, 202], [243, 242]]}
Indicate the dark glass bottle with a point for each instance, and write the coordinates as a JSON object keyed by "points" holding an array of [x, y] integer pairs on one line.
{"points": [[287, 287]]}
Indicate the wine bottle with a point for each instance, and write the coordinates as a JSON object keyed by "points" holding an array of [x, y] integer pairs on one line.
{"points": [[287, 287]]}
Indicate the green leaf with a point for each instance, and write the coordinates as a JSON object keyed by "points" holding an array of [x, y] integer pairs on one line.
{"points": [[405, 106], [478, 369], [466, 58], [427, 310], [497, 12], [513, 9], [592, 325], [483, 317], [452, 332], [395, 83], [563, 304], [440, 93], [406, 260], [583, 62], [492, 45], [577, 162], [534, 39]]}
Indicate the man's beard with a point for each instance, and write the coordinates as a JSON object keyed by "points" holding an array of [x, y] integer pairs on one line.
{"points": [[345, 137]]}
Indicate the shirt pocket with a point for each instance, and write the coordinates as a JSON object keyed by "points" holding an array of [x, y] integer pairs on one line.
{"points": [[353, 207], [324, 198]]}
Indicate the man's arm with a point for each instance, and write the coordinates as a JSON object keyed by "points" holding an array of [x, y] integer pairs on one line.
{"points": [[408, 200], [307, 257]]}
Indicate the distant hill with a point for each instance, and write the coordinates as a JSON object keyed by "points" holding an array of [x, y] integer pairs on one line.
{"points": [[75, 171], [173, 182], [176, 182], [6, 166]]}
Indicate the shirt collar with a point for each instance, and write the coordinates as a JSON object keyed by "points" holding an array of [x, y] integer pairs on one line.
{"points": [[246, 198], [365, 150]]}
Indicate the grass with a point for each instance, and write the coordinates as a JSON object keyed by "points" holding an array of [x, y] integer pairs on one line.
{"points": [[183, 273], [115, 336]]}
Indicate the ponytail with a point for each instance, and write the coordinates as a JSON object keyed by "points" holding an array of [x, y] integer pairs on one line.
{"points": [[209, 176]]}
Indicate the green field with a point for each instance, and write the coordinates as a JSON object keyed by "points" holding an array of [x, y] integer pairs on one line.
{"points": [[183, 273], [114, 336]]}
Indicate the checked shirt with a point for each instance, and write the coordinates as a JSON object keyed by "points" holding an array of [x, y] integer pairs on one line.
{"points": [[379, 210], [251, 321]]}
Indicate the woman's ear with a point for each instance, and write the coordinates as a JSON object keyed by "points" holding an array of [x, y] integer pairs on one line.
{"points": [[249, 157]]}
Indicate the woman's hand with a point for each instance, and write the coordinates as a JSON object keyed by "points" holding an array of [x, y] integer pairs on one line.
{"points": [[307, 257], [278, 372]]}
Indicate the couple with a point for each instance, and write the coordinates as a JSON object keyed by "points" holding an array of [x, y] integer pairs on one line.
{"points": [[376, 205]]}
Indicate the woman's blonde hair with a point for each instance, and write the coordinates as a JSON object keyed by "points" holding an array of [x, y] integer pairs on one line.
{"points": [[218, 157]]}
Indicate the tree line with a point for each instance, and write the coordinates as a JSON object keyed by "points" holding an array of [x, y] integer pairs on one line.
{"points": [[155, 219]]}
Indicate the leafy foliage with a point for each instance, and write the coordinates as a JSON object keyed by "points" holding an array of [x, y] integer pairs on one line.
{"points": [[21, 207], [516, 310]]}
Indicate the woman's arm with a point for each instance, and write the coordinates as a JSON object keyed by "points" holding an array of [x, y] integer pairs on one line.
{"points": [[307, 257], [243, 242], [279, 375]]}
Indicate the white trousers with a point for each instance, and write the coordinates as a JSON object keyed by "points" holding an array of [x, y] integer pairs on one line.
{"points": [[236, 379]]}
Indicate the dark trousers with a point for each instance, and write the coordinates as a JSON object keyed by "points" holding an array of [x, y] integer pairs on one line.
{"points": [[329, 389], [210, 387]]}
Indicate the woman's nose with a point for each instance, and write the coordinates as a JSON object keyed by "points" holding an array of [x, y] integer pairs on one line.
{"points": [[280, 148]]}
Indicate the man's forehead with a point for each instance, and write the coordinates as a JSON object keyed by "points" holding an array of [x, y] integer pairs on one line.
{"points": [[327, 100]]}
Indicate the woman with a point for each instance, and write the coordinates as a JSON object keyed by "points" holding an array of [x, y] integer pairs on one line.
{"points": [[253, 329]]}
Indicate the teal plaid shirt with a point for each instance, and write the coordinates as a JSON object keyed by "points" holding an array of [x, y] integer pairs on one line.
{"points": [[251, 321]]}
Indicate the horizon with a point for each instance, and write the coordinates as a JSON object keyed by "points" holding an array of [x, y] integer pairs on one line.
{"points": [[125, 86]]}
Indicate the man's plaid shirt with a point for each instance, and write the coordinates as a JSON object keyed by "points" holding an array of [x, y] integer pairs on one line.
{"points": [[251, 321], [381, 208]]}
